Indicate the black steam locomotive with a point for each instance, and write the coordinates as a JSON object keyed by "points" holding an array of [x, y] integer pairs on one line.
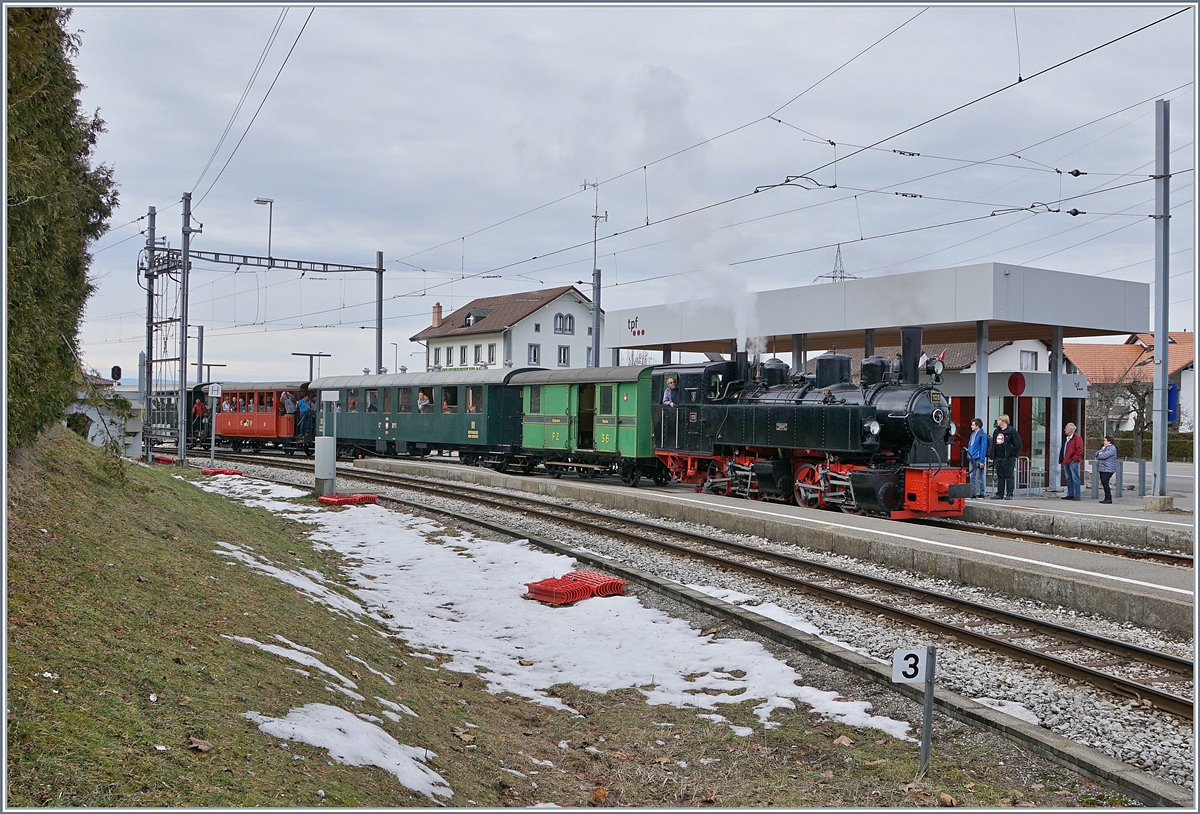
{"points": [[880, 446]]}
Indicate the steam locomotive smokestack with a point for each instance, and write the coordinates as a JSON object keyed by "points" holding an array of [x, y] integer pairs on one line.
{"points": [[742, 358], [910, 353]]}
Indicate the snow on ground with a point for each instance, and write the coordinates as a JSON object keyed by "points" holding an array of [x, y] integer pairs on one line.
{"points": [[460, 597], [356, 742], [1010, 708]]}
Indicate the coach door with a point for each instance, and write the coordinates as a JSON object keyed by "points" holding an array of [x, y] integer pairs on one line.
{"points": [[606, 418]]}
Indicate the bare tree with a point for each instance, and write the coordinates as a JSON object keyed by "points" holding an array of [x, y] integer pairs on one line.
{"points": [[635, 357]]}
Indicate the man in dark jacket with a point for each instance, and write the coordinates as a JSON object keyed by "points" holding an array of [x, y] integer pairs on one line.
{"points": [[1006, 446]]}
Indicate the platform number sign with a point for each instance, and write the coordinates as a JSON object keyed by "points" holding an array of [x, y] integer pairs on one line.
{"points": [[908, 667]]}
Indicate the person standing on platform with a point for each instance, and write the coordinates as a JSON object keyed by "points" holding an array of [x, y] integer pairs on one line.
{"points": [[1071, 456], [977, 454], [1106, 465], [1006, 446]]}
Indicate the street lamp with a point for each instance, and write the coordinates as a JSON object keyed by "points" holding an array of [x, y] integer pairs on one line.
{"points": [[269, 203]]}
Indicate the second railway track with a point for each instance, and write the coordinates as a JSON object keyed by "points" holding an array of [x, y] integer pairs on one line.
{"points": [[972, 623]]}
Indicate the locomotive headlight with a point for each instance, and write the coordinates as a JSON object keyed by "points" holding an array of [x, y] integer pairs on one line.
{"points": [[872, 427], [935, 367], [953, 429]]}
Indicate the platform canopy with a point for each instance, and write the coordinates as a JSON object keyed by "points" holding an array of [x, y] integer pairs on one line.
{"points": [[1017, 302]]}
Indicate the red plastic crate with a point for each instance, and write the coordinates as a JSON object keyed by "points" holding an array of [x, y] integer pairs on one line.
{"points": [[346, 500], [219, 471], [557, 591], [601, 584], [162, 459]]}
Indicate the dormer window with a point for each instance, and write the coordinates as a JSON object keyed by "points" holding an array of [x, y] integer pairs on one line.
{"points": [[474, 315]]}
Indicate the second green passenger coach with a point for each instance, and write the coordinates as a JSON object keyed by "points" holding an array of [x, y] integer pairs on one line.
{"points": [[590, 421]]}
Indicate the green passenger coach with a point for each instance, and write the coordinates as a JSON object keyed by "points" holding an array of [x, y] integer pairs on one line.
{"points": [[591, 421], [472, 411]]}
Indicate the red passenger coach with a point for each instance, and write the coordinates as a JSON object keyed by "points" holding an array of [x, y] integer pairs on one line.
{"points": [[255, 415]]}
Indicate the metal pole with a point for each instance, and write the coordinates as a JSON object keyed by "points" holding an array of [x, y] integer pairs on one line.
{"points": [[199, 354], [212, 420], [927, 714], [183, 323], [378, 312], [270, 228], [595, 317], [1056, 425], [981, 374], [147, 414], [1162, 308]]}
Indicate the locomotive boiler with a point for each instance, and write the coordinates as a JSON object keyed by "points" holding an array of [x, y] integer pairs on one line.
{"points": [[879, 446]]}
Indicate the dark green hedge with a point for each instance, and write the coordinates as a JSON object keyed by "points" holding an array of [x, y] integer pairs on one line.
{"points": [[58, 204]]}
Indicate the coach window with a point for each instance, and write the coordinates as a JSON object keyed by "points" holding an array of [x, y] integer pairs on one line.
{"points": [[425, 400], [372, 401], [474, 399], [261, 408], [387, 399], [404, 400], [449, 399], [270, 403], [535, 398], [352, 400], [606, 400]]}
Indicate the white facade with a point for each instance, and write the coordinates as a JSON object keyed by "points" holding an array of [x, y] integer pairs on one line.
{"points": [[561, 332], [1187, 398]]}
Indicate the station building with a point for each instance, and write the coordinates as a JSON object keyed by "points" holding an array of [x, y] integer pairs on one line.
{"points": [[1000, 326], [551, 328]]}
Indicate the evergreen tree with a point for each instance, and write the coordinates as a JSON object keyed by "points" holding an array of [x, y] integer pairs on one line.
{"points": [[58, 204]]}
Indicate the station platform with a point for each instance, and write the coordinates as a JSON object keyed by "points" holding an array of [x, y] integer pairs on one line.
{"points": [[1144, 593], [1123, 522]]}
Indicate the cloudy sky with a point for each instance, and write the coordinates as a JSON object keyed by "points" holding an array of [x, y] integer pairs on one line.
{"points": [[457, 140]]}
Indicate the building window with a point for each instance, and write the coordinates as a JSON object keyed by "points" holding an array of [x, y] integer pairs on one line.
{"points": [[569, 324], [462, 355], [479, 354], [589, 361], [492, 354], [537, 327], [564, 355], [437, 356], [535, 354], [449, 356], [558, 324], [589, 330], [1029, 360]]}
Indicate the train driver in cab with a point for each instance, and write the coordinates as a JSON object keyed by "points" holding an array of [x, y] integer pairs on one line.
{"points": [[671, 394]]}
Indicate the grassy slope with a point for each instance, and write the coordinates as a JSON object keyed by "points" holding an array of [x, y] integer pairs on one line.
{"points": [[115, 590]]}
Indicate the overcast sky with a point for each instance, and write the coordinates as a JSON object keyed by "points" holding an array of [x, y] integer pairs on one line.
{"points": [[456, 140]]}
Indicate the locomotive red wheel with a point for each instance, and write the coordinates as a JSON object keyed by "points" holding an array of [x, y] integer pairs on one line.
{"points": [[807, 490]]}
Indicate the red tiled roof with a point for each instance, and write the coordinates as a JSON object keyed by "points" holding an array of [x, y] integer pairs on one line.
{"points": [[1107, 364], [501, 312]]}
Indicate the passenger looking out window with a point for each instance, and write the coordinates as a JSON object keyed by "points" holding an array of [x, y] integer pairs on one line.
{"points": [[474, 399], [425, 400], [450, 400], [404, 399]]}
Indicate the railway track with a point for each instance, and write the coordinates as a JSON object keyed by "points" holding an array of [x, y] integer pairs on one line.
{"points": [[1030, 640], [1148, 554], [1166, 557]]}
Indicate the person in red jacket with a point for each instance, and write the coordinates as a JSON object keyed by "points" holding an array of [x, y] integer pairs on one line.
{"points": [[1071, 456]]}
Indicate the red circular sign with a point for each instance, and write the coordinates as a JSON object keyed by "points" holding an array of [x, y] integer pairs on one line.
{"points": [[1016, 384]]}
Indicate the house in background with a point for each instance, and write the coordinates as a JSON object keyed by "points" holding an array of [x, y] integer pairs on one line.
{"points": [[551, 328], [104, 426], [1132, 362]]}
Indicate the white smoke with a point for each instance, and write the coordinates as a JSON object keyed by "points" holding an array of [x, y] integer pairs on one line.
{"points": [[703, 244]]}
